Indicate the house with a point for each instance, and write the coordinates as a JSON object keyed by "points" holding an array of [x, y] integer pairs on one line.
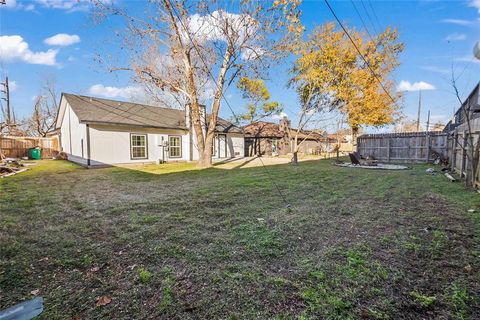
{"points": [[343, 140], [97, 131], [273, 139], [470, 106], [465, 125]]}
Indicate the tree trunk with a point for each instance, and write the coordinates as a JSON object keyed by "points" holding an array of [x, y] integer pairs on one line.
{"points": [[354, 138], [295, 150], [295, 158], [205, 160]]}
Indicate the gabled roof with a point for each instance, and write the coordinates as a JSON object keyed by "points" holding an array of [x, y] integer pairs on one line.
{"points": [[263, 129], [224, 126], [105, 111]]}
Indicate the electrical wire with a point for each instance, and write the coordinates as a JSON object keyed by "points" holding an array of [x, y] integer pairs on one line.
{"points": [[361, 19], [359, 52], [369, 17]]}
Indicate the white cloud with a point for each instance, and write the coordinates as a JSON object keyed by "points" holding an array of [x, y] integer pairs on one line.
{"points": [[475, 4], [12, 85], [62, 39], [468, 59], [11, 4], [15, 48], [456, 37], [436, 69], [128, 92], [416, 86], [460, 22], [14, 5], [212, 28], [69, 5], [252, 53], [280, 115]]}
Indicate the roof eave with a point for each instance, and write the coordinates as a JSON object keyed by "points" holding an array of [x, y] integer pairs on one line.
{"points": [[133, 125]]}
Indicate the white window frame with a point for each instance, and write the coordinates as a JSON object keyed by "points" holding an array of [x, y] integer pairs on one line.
{"points": [[145, 147], [170, 146]]}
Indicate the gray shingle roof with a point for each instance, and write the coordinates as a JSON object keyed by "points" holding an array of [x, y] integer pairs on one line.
{"points": [[106, 111], [224, 126]]}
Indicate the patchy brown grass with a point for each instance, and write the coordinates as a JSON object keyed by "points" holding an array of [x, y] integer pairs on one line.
{"points": [[171, 242]]}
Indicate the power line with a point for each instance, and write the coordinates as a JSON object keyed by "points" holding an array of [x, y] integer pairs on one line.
{"points": [[187, 31], [387, 46], [359, 52], [369, 17], [361, 19], [375, 14]]}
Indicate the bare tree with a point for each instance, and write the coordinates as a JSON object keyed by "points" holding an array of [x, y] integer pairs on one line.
{"points": [[438, 126], [406, 125], [471, 147], [42, 120], [183, 45]]}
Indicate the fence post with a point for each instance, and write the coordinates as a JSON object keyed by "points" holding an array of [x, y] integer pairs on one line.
{"points": [[464, 154], [388, 148], [428, 147], [454, 150]]}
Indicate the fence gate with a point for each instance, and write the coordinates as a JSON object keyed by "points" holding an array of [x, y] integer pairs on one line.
{"points": [[403, 147]]}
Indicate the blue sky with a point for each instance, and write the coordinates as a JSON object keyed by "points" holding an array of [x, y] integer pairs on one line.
{"points": [[62, 43]]}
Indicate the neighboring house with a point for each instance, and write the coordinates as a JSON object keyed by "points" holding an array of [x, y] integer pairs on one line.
{"points": [[272, 139], [97, 131], [345, 141], [471, 105]]}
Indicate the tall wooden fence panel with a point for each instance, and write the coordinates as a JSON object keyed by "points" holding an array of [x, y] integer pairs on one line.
{"points": [[403, 147], [17, 147], [459, 148]]}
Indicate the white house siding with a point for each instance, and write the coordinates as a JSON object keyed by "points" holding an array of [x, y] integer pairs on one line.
{"points": [[110, 144], [235, 145], [73, 137]]}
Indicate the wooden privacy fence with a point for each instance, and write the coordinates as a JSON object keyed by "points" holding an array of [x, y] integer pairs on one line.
{"points": [[459, 148], [403, 147], [17, 147]]}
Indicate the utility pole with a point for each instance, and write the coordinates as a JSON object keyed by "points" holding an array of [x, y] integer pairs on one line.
{"points": [[6, 91], [428, 120], [419, 109]]}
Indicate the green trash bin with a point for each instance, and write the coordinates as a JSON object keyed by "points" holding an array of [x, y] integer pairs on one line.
{"points": [[35, 153]]}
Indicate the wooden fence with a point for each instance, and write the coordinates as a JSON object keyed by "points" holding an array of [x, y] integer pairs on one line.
{"points": [[459, 151], [17, 147], [403, 147]]}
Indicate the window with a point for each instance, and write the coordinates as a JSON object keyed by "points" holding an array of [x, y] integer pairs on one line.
{"points": [[138, 146], [175, 146]]}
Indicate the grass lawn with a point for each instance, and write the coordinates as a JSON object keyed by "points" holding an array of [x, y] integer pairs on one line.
{"points": [[171, 242]]}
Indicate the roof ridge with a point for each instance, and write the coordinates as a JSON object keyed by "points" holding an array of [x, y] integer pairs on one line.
{"points": [[118, 101]]}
